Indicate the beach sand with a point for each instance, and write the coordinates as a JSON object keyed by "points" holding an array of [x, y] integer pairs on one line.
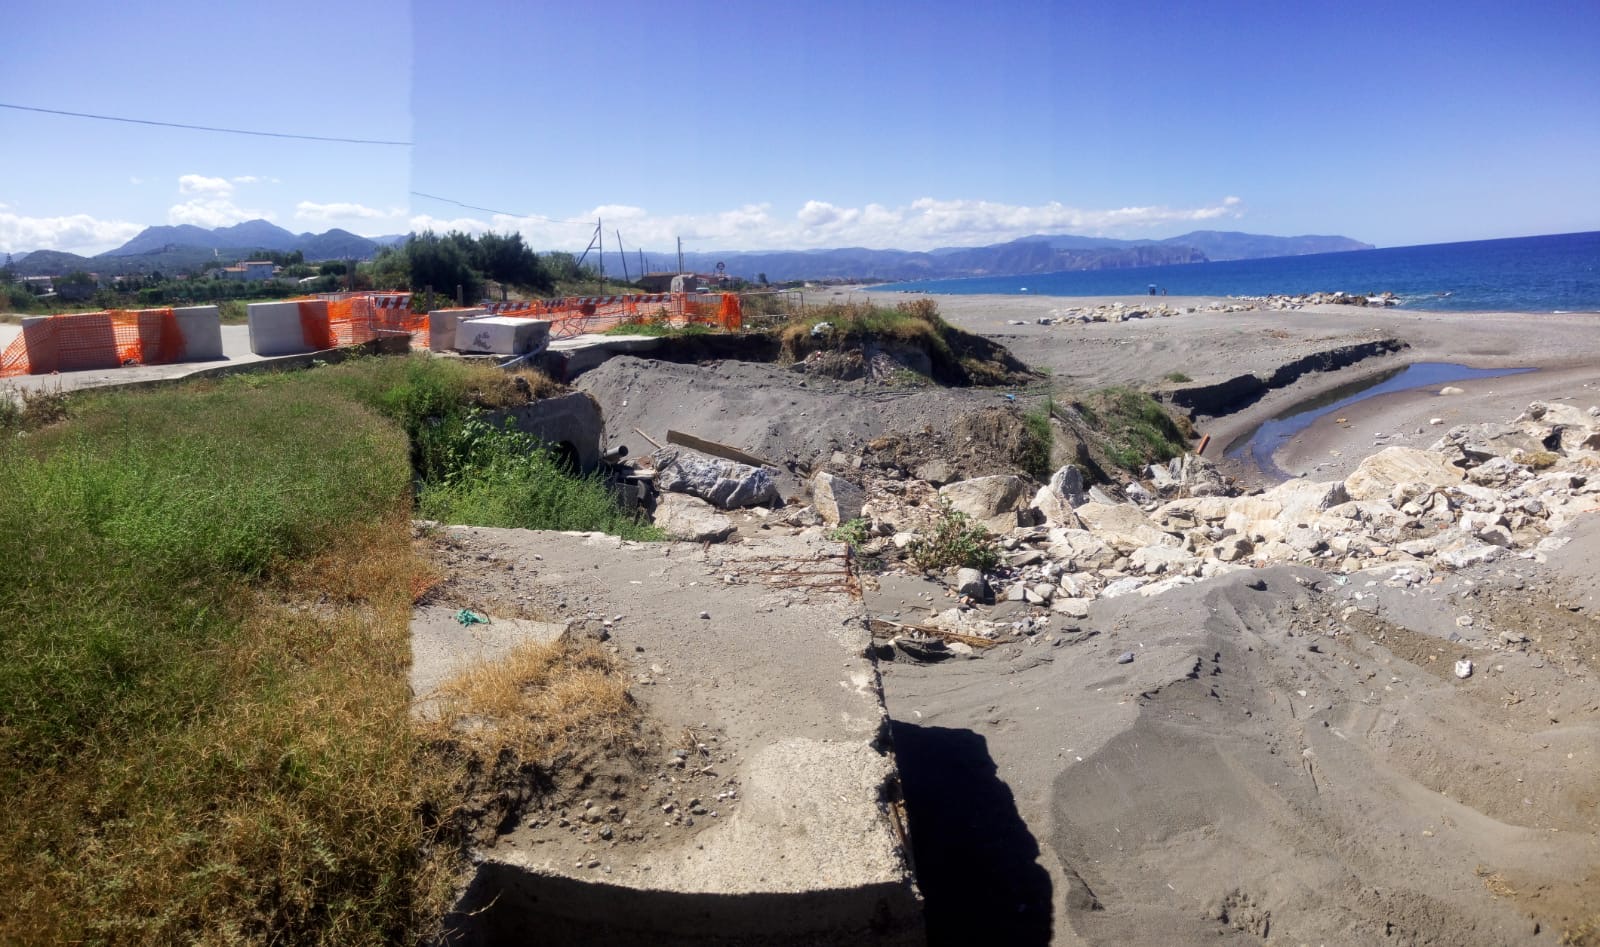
{"points": [[1287, 756], [1212, 347]]}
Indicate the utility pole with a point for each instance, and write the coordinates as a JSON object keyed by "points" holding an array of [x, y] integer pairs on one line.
{"points": [[624, 256], [600, 235]]}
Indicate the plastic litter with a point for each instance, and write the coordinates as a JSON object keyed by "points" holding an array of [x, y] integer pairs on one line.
{"points": [[469, 617]]}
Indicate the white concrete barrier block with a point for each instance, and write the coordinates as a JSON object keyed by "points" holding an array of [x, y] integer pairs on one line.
{"points": [[275, 328], [502, 335], [442, 326], [201, 328]]}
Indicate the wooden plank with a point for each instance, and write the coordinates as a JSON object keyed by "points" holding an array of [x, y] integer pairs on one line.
{"points": [[653, 442], [716, 450]]}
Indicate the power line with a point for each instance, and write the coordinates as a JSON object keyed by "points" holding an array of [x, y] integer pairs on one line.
{"points": [[502, 213], [204, 128]]}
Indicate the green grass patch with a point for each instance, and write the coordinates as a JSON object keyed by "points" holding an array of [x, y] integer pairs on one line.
{"points": [[957, 357], [203, 718], [503, 477], [1130, 427], [1178, 377], [955, 541], [658, 329], [204, 643]]}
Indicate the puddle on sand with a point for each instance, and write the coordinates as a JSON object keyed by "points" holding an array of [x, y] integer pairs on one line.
{"points": [[1258, 446]]}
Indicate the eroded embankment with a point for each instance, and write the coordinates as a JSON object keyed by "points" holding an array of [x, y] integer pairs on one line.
{"points": [[1241, 391]]}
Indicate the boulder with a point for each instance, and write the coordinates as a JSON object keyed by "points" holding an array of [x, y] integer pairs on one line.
{"points": [[722, 483], [837, 500], [991, 501], [1378, 475], [936, 472], [689, 518], [1124, 526], [970, 582], [1071, 607], [1081, 548], [1154, 560], [1233, 548], [1053, 509]]}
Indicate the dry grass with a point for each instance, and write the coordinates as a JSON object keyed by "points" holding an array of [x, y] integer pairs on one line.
{"points": [[545, 702], [493, 388], [284, 811]]}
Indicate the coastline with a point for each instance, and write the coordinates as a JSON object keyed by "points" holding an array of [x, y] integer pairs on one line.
{"points": [[1210, 347]]}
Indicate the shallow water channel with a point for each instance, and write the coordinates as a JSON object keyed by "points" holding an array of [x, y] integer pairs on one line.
{"points": [[1258, 445]]}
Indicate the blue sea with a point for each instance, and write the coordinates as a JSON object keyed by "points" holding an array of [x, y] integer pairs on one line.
{"points": [[1558, 273]]}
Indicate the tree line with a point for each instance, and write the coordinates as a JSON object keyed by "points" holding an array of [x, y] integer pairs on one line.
{"points": [[442, 263]]}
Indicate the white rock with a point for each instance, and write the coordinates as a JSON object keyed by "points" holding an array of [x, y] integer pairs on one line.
{"points": [[992, 501], [837, 500], [1463, 669], [690, 518], [1378, 475]]}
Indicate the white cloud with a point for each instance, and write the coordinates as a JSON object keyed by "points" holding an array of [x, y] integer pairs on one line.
{"points": [[923, 224], [246, 179], [211, 203], [135, 180], [77, 233], [213, 212], [200, 184], [343, 211]]}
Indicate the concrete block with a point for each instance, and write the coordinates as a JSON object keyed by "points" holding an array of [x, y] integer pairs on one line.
{"points": [[442, 326], [275, 328], [502, 335], [201, 328]]}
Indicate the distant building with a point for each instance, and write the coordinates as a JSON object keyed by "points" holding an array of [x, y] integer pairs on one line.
{"points": [[250, 270]]}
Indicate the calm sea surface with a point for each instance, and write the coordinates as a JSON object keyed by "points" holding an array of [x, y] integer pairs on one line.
{"points": [[1559, 273]]}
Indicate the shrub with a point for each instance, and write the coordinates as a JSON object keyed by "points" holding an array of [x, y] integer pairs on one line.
{"points": [[955, 542], [853, 532]]}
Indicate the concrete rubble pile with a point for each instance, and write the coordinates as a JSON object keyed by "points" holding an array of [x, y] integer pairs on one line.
{"points": [[1481, 493], [1282, 301], [1124, 312]]}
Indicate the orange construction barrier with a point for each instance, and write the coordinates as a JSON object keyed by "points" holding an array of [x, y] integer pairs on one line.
{"points": [[577, 315], [94, 340]]}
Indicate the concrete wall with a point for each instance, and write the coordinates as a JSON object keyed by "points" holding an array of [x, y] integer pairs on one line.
{"points": [[572, 419], [201, 327], [502, 335], [506, 906], [275, 328], [442, 326]]}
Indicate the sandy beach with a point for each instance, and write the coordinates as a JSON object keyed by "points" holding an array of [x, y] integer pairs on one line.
{"points": [[1282, 755], [1210, 347]]}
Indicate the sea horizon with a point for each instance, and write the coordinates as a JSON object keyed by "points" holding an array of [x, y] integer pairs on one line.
{"points": [[1550, 273]]}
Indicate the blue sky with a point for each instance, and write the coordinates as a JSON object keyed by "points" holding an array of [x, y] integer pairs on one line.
{"points": [[745, 126]]}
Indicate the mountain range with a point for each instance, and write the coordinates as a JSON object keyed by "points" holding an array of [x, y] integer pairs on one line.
{"points": [[176, 248], [1026, 255], [186, 247]]}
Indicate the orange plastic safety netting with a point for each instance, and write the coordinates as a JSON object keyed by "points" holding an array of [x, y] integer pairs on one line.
{"points": [[353, 318], [94, 340], [577, 315]]}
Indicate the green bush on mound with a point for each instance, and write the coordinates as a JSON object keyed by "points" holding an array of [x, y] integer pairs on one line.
{"points": [[1128, 427]]}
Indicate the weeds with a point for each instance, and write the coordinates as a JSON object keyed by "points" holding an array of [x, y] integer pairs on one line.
{"points": [[188, 752], [489, 476], [956, 541], [853, 533], [543, 701], [658, 328], [204, 637], [957, 357], [1178, 377], [1130, 428]]}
